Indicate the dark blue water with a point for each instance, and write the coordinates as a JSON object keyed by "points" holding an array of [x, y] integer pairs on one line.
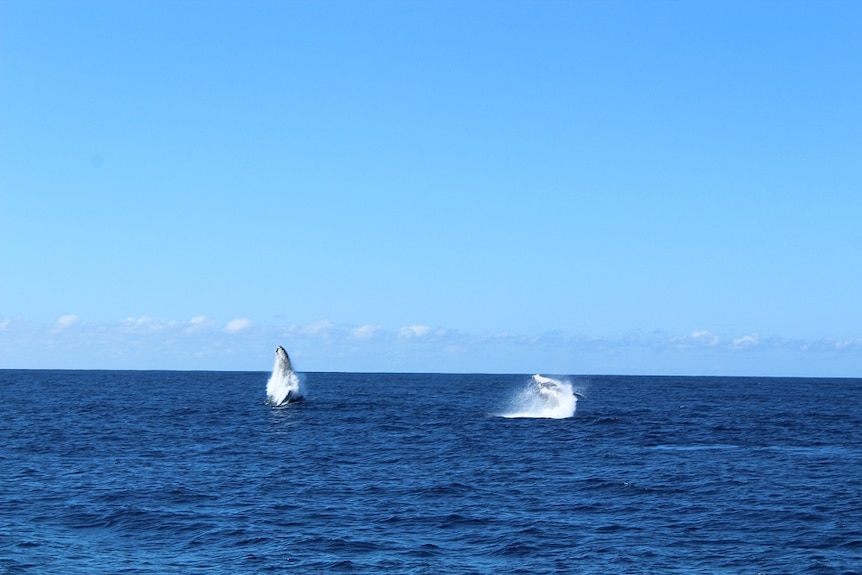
{"points": [[190, 472]]}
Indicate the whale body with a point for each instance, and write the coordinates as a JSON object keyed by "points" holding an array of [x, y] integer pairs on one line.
{"points": [[551, 390], [283, 386]]}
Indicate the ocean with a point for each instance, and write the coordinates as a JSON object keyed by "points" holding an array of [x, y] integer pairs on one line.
{"points": [[162, 472]]}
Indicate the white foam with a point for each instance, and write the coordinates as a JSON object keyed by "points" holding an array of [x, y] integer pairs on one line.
{"points": [[283, 382], [544, 397]]}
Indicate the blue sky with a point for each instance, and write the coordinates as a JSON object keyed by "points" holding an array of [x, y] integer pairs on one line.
{"points": [[557, 187]]}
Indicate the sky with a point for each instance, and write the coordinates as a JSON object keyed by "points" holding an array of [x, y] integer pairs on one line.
{"points": [[564, 187]]}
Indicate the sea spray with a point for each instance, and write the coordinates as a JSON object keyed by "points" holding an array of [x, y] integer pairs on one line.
{"points": [[284, 386], [544, 397]]}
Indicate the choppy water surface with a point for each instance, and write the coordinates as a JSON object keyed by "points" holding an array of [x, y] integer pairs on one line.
{"points": [[183, 472]]}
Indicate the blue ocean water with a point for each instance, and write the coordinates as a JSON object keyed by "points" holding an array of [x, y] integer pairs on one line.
{"points": [[190, 472]]}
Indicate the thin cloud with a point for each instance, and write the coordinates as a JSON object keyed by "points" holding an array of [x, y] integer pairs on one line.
{"points": [[365, 332], [237, 325], [323, 327], [197, 323], [747, 341], [67, 321], [414, 331], [701, 338], [850, 344], [147, 323]]}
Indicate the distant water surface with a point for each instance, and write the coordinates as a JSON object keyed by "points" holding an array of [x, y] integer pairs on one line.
{"points": [[160, 472]]}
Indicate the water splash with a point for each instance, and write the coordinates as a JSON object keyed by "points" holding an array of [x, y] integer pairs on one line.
{"points": [[544, 397], [284, 386]]}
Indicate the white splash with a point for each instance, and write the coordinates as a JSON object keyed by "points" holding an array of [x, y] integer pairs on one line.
{"points": [[544, 397], [284, 386]]}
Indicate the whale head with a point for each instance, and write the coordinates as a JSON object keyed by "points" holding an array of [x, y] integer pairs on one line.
{"points": [[282, 358]]}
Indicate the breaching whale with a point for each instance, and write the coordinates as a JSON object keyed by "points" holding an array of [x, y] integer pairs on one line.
{"points": [[544, 397], [550, 389], [283, 386]]}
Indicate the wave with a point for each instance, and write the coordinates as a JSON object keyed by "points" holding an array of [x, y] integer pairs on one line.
{"points": [[543, 397]]}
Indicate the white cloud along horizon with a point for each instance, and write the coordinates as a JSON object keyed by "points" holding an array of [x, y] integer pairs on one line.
{"points": [[241, 345]]}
